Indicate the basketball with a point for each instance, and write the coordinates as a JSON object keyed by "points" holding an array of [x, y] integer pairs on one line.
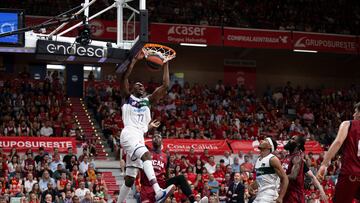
{"points": [[154, 62]]}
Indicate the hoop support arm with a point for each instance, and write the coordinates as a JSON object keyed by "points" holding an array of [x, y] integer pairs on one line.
{"points": [[76, 14]]}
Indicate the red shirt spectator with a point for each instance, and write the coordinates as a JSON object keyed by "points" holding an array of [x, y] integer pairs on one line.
{"points": [[247, 166], [192, 158]]}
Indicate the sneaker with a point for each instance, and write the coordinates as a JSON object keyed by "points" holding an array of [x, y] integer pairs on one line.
{"points": [[163, 194], [203, 200]]}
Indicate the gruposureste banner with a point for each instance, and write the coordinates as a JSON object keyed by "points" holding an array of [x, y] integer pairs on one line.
{"points": [[23, 143], [325, 42]]}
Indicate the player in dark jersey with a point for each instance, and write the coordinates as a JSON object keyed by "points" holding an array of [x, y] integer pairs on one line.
{"points": [[293, 164], [159, 161], [348, 185]]}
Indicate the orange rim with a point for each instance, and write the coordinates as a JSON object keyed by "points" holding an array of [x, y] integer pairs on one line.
{"points": [[167, 52]]}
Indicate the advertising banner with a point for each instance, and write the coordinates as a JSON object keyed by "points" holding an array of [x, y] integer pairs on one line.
{"points": [[49, 47], [254, 38], [182, 146], [178, 33], [325, 42], [23, 143]]}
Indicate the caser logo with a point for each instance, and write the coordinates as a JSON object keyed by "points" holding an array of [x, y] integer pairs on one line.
{"points": [[186, 30], [300, 43]]}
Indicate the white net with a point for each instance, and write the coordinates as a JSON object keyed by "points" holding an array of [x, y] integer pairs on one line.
{"points": [[164, 52]]}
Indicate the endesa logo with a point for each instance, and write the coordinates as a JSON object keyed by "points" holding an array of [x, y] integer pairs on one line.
{"points": [[75, 50], [63, 48], [187, 30]]}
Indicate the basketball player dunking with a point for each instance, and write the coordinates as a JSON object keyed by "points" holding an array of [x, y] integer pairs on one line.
{"points": [[136, 117], [268, 171], [348, 185], [293, 164]]}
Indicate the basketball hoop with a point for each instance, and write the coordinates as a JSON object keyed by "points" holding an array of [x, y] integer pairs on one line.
{"points": [[164, 52]]}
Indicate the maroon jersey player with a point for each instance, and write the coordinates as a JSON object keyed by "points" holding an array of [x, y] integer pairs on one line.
{"points": [[159, 162], [348, 185], [293, 164]]}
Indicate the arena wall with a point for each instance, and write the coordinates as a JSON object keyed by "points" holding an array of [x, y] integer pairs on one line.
{"points": [[273, 67]]}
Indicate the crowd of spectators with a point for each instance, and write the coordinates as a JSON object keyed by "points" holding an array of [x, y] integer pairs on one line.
{"points": [[326, 16], [36, 107], [306, 15], [234, 112], [50, 177]]}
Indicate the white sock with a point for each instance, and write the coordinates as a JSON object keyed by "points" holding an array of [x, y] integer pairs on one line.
{"points": [[150, 174], [124, 191]]}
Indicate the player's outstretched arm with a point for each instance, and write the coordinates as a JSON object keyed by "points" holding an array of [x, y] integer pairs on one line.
{"points": [[162, 90], [334, 148], [124, 78], [317, 185], [284, 181]]}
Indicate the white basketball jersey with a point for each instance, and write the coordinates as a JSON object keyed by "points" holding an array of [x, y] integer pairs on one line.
{"points": [[266, 176], [136, 113]]}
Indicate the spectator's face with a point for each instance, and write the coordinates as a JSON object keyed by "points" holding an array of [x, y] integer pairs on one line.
{"points": [[46, 174], [246, 158], [237, 177], [191, 150], [211, 177], [68, 194], [48, 198], [82, 185], [212, 199], [76, 199], [227, 177], [50, 185], [33, 196], [46, 158], [30, 176], [211, 159]]}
